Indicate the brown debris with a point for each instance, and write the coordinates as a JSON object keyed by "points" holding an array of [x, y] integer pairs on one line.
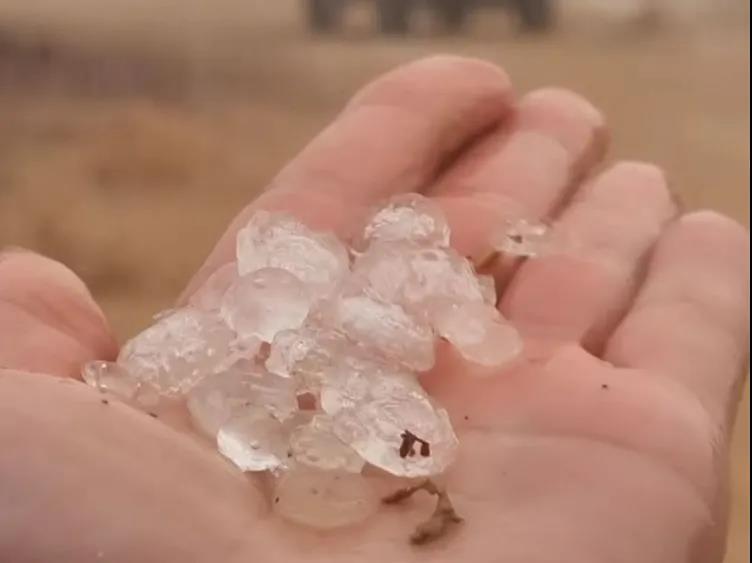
{"points": [[488, 262], [443, 517], [407, 447]]}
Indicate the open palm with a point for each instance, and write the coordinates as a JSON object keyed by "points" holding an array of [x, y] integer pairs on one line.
{"points": [[606, 444]]}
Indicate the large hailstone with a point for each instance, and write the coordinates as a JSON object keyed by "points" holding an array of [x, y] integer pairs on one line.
{"points": [[209, 296], [265, 302], [254, 440], [478, 332], [374, 408], [314, 444], [220, 397], [384, 328], [114, 379], [272, 240], [178, 351], [408, 218], [416, 277], [307, 354], [323, 499]]}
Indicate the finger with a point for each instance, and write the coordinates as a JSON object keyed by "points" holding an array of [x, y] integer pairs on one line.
{"points": [[89, 481], [526, 168], [48, 320], [392, 137], [690, 321], [577, 295]]}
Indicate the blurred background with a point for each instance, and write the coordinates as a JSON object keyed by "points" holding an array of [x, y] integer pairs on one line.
{"points": [[131, 131]]}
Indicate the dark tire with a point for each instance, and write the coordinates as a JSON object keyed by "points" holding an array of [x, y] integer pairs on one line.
{"points": [[394, 16], [536, 15], [453, 13], [324, 15]]}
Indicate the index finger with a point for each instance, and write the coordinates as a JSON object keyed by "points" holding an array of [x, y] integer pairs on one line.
{"points": [[392, 137]]}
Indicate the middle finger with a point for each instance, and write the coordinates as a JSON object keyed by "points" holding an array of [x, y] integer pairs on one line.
{"points": [[526, 168]]}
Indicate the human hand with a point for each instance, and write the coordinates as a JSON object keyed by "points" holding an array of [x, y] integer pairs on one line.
{"points": [[607, 444]]}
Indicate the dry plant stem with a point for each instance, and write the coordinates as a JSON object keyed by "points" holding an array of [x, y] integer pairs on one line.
{"points": [[488, 262], [440, 521]]}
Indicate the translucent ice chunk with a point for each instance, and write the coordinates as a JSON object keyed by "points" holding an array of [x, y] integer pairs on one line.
{"points": [[254, 440], [479, 332], [523, 238], [209, 296], [266, 302], [408, 218], [306, 354], [323, 499], [241, 354], [374, 409], [384, 328], [377, 430], [178, 351], [220, 397], [488, 289], [110, 377], [414, 277], [314, 444], [272, 240]]}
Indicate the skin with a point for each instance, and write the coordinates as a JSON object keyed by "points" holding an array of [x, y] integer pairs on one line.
{"points": [[606, 443]]}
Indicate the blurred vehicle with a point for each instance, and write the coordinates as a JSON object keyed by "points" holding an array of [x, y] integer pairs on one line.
{"points": [[394, 15]]}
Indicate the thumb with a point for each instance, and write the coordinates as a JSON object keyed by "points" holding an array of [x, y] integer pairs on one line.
{"points": [[48, 320]]}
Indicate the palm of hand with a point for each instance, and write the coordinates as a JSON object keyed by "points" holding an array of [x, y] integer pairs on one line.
{"points": [[606, 444]]}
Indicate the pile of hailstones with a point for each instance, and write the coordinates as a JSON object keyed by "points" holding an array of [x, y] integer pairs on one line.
{"points": [[301, 358]]}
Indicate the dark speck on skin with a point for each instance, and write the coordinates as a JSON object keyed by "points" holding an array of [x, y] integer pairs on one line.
{"points": [[105, 402], [153, 414], [605, 386], [276, 500], [467, 417]]}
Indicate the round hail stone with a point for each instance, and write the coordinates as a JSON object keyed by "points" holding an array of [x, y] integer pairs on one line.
{"points": [[349, 381], [323, 499], [112, 378], [384, 328], [523, 238], [408, 218], [288, 350], [315, 445], [414, 277], [209, 296], [272, 240], [221, 397], [241, 354], [266, 302], [254, 440], [177, 351], [306, 354], [378, 430], [479, 333], [375, 412]]}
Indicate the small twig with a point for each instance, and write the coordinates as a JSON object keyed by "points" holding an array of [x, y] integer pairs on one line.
{"points": [[487, 262], [440, 521]]}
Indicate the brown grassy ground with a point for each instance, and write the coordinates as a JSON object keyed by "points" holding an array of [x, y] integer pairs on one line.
{"points": [[127, 145]]}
